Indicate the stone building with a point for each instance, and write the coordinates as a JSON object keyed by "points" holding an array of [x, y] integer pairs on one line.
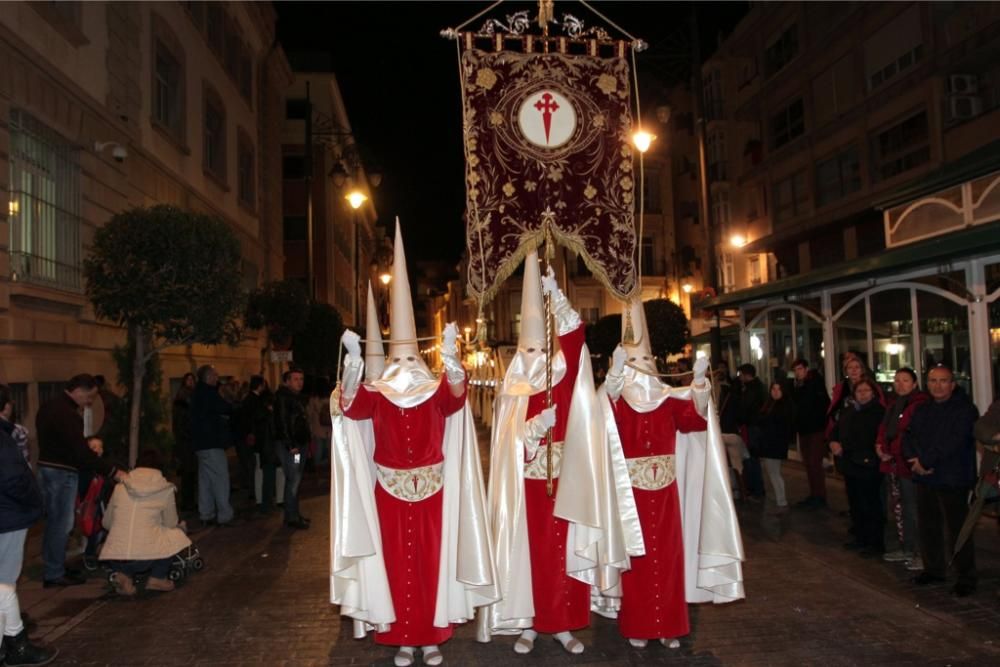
{"points": [[106, 106]]}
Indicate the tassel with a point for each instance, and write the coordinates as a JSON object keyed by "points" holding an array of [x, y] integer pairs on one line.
{"points": [[629, 336]]}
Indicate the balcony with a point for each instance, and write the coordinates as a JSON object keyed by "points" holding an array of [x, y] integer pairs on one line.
{"points": [[44, 271]]}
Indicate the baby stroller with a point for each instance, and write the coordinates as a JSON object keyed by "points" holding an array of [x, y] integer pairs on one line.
{"points": [[90, 512], [187, 561]]}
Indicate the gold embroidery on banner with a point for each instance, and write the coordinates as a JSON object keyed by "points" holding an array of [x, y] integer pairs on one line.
{"points": [[652, 473], [536, 468], [412, 485]]}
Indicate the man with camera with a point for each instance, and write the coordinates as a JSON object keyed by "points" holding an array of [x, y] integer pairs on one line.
{"points": [[291, 438]]}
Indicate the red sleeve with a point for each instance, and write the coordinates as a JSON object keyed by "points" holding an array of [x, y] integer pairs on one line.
{"points": [[686, 416], [571, 344], [448, 404], [363, 405]]}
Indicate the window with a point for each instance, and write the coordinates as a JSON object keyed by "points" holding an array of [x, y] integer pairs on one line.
{"points": [[712, 91], [720, 209], [646, 256], [295, 228], [44, 208], [727, 274], [826, 248], [246, 74], [66, 18], [167, 92], [791, 197], [835, 91], [717, 156], [787, 124], [296, 108], [894, 49], [293, 167], [837, 177], [902, 147], [214, 148], [781, 51], [651, 191], [755, 197], [245, 165], [755, 275]]}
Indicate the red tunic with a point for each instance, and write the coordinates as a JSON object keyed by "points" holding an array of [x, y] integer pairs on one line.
{"points": [[561, 602], [407, 438], [653, 602]]}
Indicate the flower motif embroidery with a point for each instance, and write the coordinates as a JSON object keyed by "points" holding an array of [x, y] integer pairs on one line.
{"points": [[598, 122], [530, 186], [555, 174], [486, 78], [626, 183], [607, 84], [589, 191], [474, 178], [508, 189], [496, 119], [473, 160]]}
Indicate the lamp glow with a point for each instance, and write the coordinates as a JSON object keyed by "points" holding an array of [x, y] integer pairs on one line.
{"points": [[737, 240], [385, 278], [356, 199], [13, 207], [893, 348], [643, 140], [687, 287]]}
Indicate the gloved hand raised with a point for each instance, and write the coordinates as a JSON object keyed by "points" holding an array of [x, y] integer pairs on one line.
{"points": [[352, 342], [548, 417], [618, 358], [450, 336], [700, 369], [549, 285]]}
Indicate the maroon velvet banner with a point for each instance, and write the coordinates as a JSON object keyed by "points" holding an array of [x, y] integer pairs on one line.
{"points": [[548, 151]]}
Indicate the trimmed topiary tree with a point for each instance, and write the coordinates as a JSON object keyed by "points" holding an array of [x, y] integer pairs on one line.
{"points": [[170, 277]]}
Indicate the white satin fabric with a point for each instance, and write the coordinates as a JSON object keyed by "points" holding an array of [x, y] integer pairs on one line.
{"points": [[598, 502], [406, 383], [358, 581], [525, 375]]}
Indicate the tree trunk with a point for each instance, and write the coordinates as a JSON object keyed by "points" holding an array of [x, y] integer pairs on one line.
{"points": [[138, 374]]}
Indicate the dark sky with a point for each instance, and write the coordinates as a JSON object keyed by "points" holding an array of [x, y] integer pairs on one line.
{"points": [[399, 80]]}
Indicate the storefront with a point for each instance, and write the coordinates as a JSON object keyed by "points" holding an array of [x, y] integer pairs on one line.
{"points": [[933, 296]]}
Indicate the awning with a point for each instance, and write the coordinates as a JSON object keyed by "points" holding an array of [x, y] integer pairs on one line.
{"points": [[964, 244]]}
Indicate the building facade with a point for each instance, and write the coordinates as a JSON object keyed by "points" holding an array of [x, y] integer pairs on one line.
{"points": [[344, 239], [857, 189], [107, 106]]}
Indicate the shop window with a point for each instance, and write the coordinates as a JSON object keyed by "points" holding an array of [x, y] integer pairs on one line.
{"points": [[892, 334], [851, 334], [808, 339], [781, 349], [944, 337]]}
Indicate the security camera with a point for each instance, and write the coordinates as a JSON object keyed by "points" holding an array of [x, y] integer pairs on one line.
{"points": [[118, 151]]}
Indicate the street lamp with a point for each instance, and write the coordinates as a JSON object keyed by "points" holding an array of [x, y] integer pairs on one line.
{"points": [[356, 199], [737, 240], [643, 140], [687, 287], [385, 278]]}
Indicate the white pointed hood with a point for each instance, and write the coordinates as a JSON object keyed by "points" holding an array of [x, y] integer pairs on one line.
{"points": [[526, 372], [406, 380], [374, 349], [642, 390]]}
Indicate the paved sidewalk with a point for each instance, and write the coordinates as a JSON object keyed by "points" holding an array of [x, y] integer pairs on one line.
{"points": [[263, 598]]}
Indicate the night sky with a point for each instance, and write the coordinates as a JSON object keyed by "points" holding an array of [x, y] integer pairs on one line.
{"points": [[399, 80]]}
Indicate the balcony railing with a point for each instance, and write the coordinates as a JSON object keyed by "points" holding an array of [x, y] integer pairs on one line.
{"points": [[44, 271]]}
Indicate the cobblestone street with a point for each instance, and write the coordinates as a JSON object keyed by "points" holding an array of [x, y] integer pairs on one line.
{"points": [[263, 599]]}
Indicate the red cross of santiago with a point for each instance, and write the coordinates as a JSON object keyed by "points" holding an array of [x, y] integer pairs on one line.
{"points": [[547, 106]]}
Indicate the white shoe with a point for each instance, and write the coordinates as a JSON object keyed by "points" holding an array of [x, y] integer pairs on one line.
{"points": [[638, 643], [404, 656], [526, 642], [569, 642], [916, 564], [670, 643], [432, 655]]}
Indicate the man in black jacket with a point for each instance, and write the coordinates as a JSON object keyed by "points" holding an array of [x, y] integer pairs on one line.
{"points": [[752, 396], [255, 423], [291, 436], [20, 508], [811, 404], [940, 448], [211, 437], [62, 453]]}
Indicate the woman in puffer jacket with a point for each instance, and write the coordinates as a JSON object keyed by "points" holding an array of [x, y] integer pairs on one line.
{"points": [[143, 531], [889, 447]]}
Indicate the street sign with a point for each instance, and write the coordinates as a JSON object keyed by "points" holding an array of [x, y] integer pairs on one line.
{"points": [[281, 356]]}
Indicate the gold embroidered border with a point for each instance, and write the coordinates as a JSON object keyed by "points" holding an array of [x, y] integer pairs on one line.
{"points": [[412, 485], [537, 468], [652, 473]]}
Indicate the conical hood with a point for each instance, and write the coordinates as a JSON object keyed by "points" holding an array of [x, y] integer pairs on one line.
{"points": [[532, 306], [402, 325], [374, 350]]}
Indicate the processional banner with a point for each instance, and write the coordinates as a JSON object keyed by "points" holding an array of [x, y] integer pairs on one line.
{"points": [[548, 151]]}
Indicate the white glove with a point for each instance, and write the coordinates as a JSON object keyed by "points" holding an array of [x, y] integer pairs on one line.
{"points": [[700, 369], [618, 358], [450, 337], [549, 285], [548, 417], [352, 342]]}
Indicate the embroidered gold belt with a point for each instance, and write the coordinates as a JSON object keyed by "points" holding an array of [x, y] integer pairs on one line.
{"points": [[537, 467], [411, 484], [652, 473]]}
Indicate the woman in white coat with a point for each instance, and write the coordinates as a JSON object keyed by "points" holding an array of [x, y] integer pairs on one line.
{"points": [[143, 530]]}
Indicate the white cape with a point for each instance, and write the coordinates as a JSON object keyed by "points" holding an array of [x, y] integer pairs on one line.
{"points": [[358, 581], [604, 525]]}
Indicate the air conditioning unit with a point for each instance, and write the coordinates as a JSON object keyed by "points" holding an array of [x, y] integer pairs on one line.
{"points": [[962, 107], [963, 84]]}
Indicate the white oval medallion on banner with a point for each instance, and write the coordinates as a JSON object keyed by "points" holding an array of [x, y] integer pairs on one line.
{"points": [[547, 119]]}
